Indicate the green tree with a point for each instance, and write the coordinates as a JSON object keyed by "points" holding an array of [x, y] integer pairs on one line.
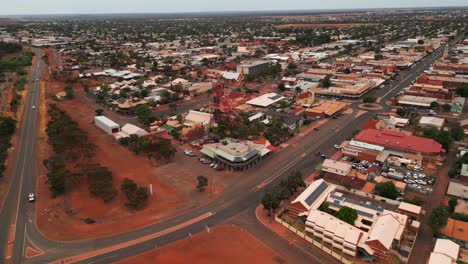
{"points": [[435, 105], [347, 214], [281, 87], [324, 206], [378, 57], [387, 190], [138, 199], [452, 203], [270, 201], [69, 94], [462, 90], [326, 82], [128, 187], [143, 113], [401, 112], [99, 111], [369, 99], [438, 218], [457, 133], [441, 136], [446, 107], [202, 183]]}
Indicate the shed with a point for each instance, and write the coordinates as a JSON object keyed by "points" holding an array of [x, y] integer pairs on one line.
{"points": [[104, 123]]}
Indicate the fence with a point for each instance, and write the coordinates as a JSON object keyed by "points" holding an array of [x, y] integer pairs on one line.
{"points": [[313, 241]]}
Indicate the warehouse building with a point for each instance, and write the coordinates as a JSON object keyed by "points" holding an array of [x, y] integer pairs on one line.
{"points": [[107, 125]]}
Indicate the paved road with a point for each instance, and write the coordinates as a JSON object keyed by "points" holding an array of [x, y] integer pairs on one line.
{"points": [[16, 208], [230, 205]]}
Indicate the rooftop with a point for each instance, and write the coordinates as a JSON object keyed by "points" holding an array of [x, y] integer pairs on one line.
{"points": [[265, 100]]}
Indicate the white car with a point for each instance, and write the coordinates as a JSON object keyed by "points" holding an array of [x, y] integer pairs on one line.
{"points": [[337, 146], [31, 197], [33, 107]]}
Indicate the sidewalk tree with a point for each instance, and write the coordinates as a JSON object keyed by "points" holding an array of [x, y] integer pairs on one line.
{"points": [[452, 203], [270, 201], [202, 183], [281, 87], [143, 113], [438, 218], [435, 105], [457, 133], [369, 99], [462, 90]]}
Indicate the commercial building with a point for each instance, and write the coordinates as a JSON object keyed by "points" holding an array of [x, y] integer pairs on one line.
{"points": [[265, 100], [400, 142], [107, 125], [336, 167], [431, 121], [457, 189], [375, 235], [325, 108], [445, 252], [253, 68], [130, 129], [238, 155]]}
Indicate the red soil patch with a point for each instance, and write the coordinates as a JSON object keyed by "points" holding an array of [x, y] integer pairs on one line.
{"points": [[31, 252], [224, 244]]}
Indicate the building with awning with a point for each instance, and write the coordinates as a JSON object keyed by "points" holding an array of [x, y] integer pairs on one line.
{"points": [[238, 155]]}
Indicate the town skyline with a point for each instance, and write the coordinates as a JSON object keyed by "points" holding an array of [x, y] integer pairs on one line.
{"points": [[55, 7]]}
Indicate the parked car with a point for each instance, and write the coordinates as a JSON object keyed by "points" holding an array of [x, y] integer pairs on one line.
{"points": [[316, 129], [323, 156], [337, 146]]}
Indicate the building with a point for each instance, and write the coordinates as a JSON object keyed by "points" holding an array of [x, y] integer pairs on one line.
{"points": [[196, 117], [130, 129], [336, 167], [400, 142], [431, 121], [311, 198], [107, 125], [238, 155], [306, 99], [447, 248], [409, 209], [290, 121], [253, 68], [375, 235], [455, 230], [265, 100], [326, 108], [457, 189]]}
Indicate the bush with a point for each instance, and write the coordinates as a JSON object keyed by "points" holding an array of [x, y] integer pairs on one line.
{"points": [[387, 190], [89, 221]]}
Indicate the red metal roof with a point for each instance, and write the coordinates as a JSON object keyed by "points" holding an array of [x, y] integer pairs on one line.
{"points": [[399, 140]]}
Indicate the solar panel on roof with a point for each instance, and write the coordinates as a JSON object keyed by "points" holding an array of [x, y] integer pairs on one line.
{"points": [[336, 197], [251, 154], [316, 193], [276, 96]]}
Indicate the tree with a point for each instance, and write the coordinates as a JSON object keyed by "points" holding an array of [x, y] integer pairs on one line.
{"points": [[369, 99], [99, 111], [457, 133], [438, 218], [281, 87], [100, 183], [462, 90], [270, 201], [420, 41], [143, 113], [435, 105], [452, 203], [446, 107], [324, 206], [441, 136], [326, 82], [401, 112], [138, 199], [128, 187], [347, 71], [387, 190], [378, 57], [347, 214], [69, 94], [202, 183]]}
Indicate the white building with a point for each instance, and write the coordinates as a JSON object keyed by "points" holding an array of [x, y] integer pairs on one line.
{"points": [[265, 100], [336, 167], [104, 123]]}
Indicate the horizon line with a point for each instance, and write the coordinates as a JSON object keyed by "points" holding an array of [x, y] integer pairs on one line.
{"points": [[236, 11]]}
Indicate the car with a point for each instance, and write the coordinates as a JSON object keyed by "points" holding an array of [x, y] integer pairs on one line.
{"points": [[334, 117], [212, 165], [33, 107], [399, 199], [31, 197], [316, 129], [323, 156], [337, 146]]}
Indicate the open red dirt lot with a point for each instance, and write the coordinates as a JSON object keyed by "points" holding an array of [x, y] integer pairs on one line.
{"points": [[224, 244], [173, 185]]}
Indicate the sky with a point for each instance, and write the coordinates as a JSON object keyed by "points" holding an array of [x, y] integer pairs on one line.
{"points": [[15, 7]]}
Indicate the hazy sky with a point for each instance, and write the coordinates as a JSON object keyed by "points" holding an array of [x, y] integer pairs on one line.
{"points": [[12, 7]]}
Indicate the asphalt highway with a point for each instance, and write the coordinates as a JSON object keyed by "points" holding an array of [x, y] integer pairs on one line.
{"points": [[233, 206], [16, 208]]}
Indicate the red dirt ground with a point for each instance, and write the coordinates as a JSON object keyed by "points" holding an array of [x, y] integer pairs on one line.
{"points": [[322, 25], [173, 185], [224, 244]]}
